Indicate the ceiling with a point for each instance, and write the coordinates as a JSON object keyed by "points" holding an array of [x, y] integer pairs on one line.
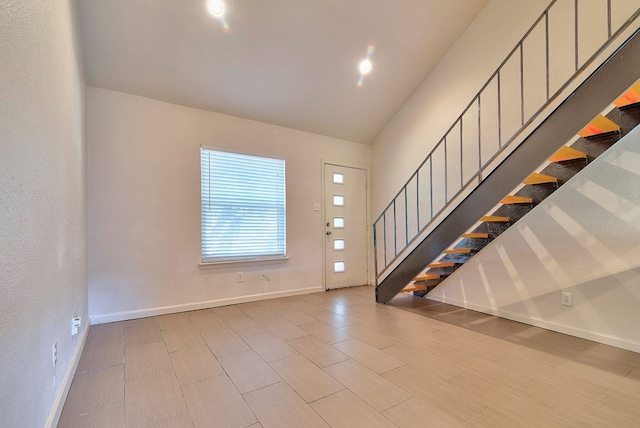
{"points": [[292, 63]]}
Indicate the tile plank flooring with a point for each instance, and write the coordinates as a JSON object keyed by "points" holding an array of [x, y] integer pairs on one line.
{"points": [[338, 359]]}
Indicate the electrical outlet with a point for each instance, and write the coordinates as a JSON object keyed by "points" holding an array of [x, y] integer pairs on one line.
{"points": [[567, 299], [76, 323], [54, 354], [240, 277]]}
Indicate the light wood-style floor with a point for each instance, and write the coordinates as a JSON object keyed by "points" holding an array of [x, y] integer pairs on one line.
{"points": [[339, 359]]}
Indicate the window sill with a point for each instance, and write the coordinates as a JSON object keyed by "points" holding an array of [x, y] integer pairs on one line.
{"points": [[252, 262]]}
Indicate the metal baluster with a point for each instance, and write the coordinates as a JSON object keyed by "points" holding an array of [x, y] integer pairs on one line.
{"points": [[608, 19], [499, 111], [375, 252], [431, 185], [446, 173], [461, 157], [406, 217], [417, 201], [546, 44], [479, 139], [521, 84], [384, 232], [395, 229], [576, 32]]}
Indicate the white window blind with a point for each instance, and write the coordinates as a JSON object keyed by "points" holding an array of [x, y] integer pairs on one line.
{"points": [[243, 206]]}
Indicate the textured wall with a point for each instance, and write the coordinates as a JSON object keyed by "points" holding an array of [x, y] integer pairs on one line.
{"points": [[144, 205], [42, 205]]}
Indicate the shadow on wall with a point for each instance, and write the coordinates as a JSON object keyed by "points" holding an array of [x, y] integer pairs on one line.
{"points": [[582, 240]]}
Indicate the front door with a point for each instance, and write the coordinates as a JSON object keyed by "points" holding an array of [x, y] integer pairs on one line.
{"points": [[345, 202]]}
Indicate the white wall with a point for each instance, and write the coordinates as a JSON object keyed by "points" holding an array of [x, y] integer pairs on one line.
{"points": [[43, 279], [433, 108], [144, 206], [582, 239], [425, 118]]}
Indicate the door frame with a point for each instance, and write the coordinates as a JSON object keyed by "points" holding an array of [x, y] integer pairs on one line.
{"points": [[369, 234]]}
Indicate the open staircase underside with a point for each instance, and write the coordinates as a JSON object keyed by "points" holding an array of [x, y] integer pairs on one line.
{"points": [[545, 143], [562, 166]]}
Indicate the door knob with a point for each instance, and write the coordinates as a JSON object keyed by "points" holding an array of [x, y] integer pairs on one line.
{"points": [[328, 232]]}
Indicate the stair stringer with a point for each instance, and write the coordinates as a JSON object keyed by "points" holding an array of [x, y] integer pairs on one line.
{"points": [[611, 79], [581, 239]]}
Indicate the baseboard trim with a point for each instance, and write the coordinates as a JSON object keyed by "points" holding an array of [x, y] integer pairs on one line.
{"points": [[164, 310], [65, 385], [548, 325]]}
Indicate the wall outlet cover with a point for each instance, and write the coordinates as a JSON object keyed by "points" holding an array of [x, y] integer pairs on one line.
{"points": [[567, 299], [76, 323]]}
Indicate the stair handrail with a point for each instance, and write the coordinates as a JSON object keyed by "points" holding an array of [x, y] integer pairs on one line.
{"points": [[476, 100]]}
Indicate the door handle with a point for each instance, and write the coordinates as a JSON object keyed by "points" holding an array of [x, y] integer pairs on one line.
{"points": [[328, 232]]}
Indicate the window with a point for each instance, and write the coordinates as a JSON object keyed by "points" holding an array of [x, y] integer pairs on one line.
{"points": [[243, 206]]}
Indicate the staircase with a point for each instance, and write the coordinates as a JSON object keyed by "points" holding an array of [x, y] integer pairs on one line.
{"points": [[444, 214], [593, 140]]}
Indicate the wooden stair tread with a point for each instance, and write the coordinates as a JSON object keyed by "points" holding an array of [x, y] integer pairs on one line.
{"points": [[494, 219], [437, 265], [537, 178], [512, 199], [599, 125], [414, 287], [476, 235], [426, 277], [631, 96], [457, 251], [566, 154]]}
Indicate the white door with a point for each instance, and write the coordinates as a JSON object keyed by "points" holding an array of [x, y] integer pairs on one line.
{"points": [[345, 202]]}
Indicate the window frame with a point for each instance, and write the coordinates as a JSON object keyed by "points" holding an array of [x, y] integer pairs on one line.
{"points": [[280, 224]]}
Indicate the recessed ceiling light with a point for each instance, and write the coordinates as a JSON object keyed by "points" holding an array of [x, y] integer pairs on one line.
{"points": [[216, 8], [365, 66]]}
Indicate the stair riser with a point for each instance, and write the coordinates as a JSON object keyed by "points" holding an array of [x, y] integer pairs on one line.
{"points": [[475, 245], [628, 117], [514, 212]]}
